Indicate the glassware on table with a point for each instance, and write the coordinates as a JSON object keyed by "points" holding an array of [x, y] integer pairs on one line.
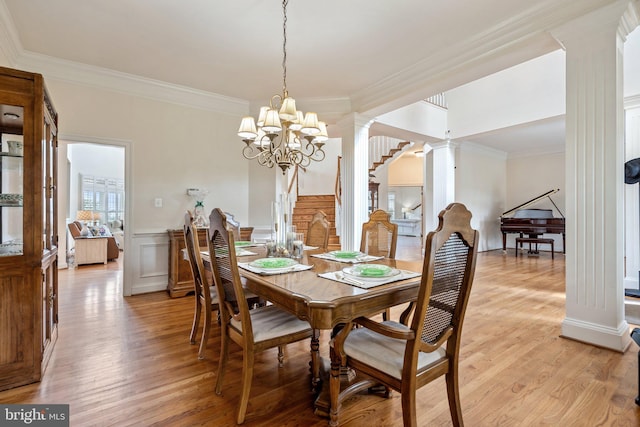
{"points": [[297, 246], [272, 249]]}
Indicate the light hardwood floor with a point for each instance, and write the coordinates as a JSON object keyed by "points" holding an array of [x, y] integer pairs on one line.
{"points": [[128, 362]]}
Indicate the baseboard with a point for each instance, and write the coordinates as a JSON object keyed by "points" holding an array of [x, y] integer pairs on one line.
{"points": [[598, 335]]}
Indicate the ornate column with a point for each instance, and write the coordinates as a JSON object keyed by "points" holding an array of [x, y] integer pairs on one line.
{"points": [[594, 176], [439, 180], [355, 178]]}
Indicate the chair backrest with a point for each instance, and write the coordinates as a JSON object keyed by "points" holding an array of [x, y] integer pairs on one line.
{"points": [[195, 260], [447, 275], [224, 266], [234, 226], [318, 231], [379, 235], [74, 229]]}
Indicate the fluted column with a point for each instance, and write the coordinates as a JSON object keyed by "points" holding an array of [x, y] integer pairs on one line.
{"points": [[594, 176], [439, 180], [355, 178]]}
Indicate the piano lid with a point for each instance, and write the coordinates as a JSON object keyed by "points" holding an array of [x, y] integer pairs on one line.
{"points": [[535, 200]]}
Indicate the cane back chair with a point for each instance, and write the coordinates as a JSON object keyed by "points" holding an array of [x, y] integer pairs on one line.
{"points": [[254, 330], [405, 357]]}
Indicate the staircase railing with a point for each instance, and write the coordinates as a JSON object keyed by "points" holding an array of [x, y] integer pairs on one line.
{"points": [[294, 178], [384, 148], [338, 187]]}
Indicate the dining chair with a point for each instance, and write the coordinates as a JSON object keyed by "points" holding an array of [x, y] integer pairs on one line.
{"points": [[206, 295], [380, 238], [254, 330], [318, 231], [379, 235], [233, 225], [406, 356]]}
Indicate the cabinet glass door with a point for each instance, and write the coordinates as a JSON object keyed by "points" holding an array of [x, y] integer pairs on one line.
{"points": [[11, 180]]}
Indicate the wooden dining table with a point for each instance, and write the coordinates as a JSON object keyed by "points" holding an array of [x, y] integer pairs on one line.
{"points": [[326, 303]]}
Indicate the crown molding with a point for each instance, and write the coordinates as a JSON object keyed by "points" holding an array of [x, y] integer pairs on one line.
{"points": [[536, 152], [632, 102], [116, 81], [481, 149], [329, 110], [102, 78], [522, 37]]}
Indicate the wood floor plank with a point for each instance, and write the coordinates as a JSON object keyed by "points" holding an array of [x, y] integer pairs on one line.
{"points": [[128, 362]]}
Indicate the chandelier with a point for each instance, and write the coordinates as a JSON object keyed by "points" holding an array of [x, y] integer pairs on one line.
{"points": [[283, 136]]}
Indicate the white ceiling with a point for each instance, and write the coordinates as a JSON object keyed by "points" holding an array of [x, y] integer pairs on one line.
{"points": [[376, 54]]}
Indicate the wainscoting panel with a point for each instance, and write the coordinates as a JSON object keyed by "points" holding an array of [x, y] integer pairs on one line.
{"points": [[149, 263]]}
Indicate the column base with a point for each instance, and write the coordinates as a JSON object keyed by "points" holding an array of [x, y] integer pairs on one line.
{"points": [[601, 336]]}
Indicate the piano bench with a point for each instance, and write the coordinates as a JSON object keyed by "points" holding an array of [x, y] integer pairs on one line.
{"points": [[530, 240]]}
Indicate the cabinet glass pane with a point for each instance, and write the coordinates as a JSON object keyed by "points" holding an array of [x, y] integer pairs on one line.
{"points": [[11, 180]]}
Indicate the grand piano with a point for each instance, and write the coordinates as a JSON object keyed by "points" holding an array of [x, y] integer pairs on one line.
{"points": [[532, 222]]}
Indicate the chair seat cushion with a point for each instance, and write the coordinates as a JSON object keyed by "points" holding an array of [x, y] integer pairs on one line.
{"points": [[214, 295], [271, 322], [384, 353]]}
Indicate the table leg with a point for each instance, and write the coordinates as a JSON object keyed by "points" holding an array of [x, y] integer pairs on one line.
{"points": [[334, 389], [315, 359]]}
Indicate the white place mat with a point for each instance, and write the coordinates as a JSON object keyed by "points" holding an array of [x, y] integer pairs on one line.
{"points": [[239, 252], [362, 258], [250, 245], [267, 271], [244, 252], [339, 276]]}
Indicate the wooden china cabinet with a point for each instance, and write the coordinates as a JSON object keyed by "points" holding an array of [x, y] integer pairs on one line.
{"points": [[28, 228]]}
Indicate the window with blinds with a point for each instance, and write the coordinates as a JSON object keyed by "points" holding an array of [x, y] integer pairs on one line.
{"points": [[102, 195]]}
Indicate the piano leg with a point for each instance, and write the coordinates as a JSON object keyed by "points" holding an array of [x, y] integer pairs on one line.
{"points": [[504, 242]]}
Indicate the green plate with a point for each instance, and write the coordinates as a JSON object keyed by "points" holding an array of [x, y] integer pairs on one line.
{"points": [[273, 263], [371, 271], [345, 254], [242, 243]]}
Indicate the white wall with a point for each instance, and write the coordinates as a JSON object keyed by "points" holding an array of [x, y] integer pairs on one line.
{"points": [[532, 176], [481, 177], [406, 170], [527, 92], [632, 63], [173, 147], [421, 117], [320, 177]]}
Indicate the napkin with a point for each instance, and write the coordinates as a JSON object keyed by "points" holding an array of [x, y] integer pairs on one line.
{"points": [[339, 276], [268, 271], [361, 258]]}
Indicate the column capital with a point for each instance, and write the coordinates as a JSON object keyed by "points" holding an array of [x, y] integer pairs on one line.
{"points": [[356, 119], [622, 17], [440, 144]]}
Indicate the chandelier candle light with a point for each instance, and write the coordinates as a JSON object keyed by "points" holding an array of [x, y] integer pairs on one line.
{"points": [[283, 136]]}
